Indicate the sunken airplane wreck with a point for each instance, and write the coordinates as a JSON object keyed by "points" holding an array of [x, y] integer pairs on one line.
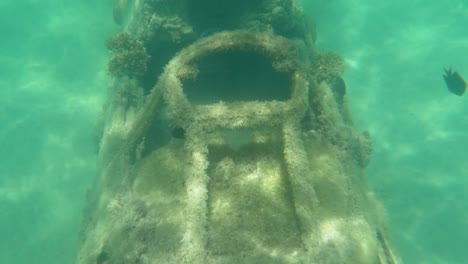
{"points": [[455, 82], [226, 147]]}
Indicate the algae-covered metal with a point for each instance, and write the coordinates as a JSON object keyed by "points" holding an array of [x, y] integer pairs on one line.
{"points": [[232, 147]]}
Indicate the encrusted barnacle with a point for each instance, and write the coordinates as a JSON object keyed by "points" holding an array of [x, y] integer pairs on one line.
{"points": [[327, 65], [129, 56]]}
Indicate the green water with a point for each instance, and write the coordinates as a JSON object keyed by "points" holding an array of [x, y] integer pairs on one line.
{"points": [[396, 52], [53, 83]]}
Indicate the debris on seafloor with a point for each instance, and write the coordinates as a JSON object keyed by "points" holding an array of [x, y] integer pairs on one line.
{"points": [[455, 82]]}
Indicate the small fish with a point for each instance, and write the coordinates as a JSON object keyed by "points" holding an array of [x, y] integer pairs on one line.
{"points": [[208, 32], [338, 86], [120, 8], [178, 132], [455, 83]]}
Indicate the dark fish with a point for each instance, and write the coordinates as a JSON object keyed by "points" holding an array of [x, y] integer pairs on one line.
{"points": [[455, 83], [338, 86], [178, 132]]}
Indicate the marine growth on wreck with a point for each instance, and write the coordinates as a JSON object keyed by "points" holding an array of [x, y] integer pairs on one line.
{"points": [[227, 139]]}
